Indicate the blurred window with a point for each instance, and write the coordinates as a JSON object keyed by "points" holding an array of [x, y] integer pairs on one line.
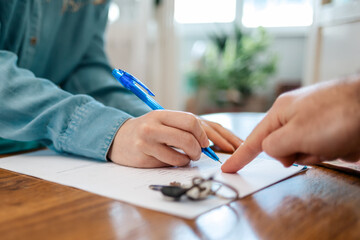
{"points": [[114, 12], [205, 11], [277, 13]]}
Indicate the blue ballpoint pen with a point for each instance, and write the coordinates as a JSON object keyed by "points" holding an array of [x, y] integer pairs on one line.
{"points": [[130, 83]]}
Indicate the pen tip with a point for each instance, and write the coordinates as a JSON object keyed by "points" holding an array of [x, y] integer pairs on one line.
{"points": [[215, 157], [211, 154]]}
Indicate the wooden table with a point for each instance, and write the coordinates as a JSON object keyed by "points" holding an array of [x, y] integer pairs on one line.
{"points": [[317, 204]]}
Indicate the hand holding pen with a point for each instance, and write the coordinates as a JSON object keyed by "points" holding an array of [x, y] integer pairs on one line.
{"points": [[144, 141]]}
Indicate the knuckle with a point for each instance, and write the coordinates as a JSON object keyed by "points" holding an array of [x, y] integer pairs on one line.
{"points": [[186, 142], [153, 114], [216, 124], [194, 149], [285, 95], [146, 129], [193, 122], [189, 140], [139, 144], [283, 99], [182, 161]]}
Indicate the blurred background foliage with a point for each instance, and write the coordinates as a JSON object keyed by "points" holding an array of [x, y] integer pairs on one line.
{"points": [[233, 66]]}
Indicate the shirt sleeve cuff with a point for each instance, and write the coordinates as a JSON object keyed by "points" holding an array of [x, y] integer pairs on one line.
{"points": [[91, 130]]}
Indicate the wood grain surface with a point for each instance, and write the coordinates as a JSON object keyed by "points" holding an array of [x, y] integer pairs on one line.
{"points": [[317, 204]]}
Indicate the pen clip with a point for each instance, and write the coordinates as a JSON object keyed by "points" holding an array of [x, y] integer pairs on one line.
{"points": [[126, 78], [143, 86]]}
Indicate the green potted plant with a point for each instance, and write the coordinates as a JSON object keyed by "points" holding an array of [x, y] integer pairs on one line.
{"points": [[233, 66]]}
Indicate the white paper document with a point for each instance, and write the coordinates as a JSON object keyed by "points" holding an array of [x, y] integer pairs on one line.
{"points": [[131, 185]]}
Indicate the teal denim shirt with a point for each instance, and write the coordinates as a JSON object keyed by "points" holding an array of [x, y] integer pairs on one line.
{"points": [[56, 86]]}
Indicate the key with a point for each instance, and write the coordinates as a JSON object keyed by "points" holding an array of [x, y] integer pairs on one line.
{"points": [[174, 192]]}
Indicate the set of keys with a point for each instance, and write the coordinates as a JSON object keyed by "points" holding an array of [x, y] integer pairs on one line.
{"points": [[200, 189]]}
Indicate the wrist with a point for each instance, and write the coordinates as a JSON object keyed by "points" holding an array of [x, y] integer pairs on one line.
{"points": [[114, 140]]}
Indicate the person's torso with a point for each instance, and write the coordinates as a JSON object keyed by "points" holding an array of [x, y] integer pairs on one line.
{"points": [[48, 36]]}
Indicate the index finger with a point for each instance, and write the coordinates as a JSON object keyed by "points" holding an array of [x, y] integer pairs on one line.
{"points": [[252, 146]]}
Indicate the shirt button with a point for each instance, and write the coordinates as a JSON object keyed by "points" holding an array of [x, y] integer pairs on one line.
{"points": [[33, 41]]}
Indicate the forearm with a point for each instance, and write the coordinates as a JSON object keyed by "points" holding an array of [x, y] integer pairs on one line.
{"points": [[34, 109]]}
